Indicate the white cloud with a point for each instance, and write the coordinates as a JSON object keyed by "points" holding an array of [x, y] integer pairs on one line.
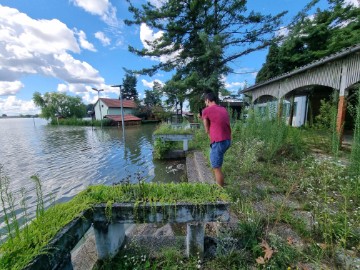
{"points": [[105, 41], [10, 88], [84, 43], [234, 84], [147, 36], [40, 47], [150, 84], [282, 32], [62, 88], [13, 106], [157, 3], [355, 3], [98, 7], [102, 8]]}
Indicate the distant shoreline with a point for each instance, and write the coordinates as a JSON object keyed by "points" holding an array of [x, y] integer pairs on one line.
{"points": [[28, 116]]}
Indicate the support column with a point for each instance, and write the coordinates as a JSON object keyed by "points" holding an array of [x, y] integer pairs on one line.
{"points": [[66, 264], [342, 104], [108, 238], [185, 145], [195, 239]]}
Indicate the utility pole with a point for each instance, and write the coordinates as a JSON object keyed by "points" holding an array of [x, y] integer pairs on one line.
{"points": [[99, 90], [122, 107]]}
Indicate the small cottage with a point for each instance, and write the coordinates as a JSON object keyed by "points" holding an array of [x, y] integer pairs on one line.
{"points": [[111, 109]]}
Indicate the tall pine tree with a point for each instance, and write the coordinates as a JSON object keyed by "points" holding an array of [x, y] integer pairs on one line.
{"points": [[203, 37]]}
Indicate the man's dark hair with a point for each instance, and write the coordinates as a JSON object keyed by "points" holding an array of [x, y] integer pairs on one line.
{"points": [[210, 96]]}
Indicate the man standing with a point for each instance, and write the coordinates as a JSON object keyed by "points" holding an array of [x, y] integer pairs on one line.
{"points": [[217, 125]]}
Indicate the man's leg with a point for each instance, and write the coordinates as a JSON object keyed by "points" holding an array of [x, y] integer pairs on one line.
{"points": [[219, 176]]}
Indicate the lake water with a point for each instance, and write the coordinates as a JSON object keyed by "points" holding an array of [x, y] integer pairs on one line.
{"points": [[67, 159]]}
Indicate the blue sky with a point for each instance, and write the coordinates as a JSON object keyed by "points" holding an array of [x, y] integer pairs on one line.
{"points": [[74, 45]]}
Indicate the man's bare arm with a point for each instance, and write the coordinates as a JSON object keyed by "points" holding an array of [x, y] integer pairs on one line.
{"points": [[206, 125]]}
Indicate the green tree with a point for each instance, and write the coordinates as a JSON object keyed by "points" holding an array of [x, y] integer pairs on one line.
{"points": [[129, 87], [153, 97], [272, 66], [313, 37], [53, 104], [202, 37]]}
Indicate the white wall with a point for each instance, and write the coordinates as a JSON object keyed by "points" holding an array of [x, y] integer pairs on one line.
{"points": [[300, 110], [109, 111]]}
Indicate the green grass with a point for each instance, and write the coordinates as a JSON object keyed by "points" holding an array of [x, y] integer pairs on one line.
{"points": [[19, 250], [268, 160]]}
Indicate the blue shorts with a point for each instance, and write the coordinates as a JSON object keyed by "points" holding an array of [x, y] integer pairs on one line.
{"points": [[217, 152]]}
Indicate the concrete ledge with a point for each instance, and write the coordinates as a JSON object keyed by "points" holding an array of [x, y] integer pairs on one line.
{"points": [[109, 231], [173, 137], [56, 254], [162, 213]]}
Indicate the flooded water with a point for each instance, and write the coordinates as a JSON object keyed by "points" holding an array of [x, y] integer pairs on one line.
{"points": [[67, 159]]}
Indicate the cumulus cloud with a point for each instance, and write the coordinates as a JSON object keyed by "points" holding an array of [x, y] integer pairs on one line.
{"points": [[84, 43], [147, 36], [105, 41], [236, 85], [40, 47], [355, 3], [157, 3], [102, 8], [10, 88], [150, 84], [12, 106]]}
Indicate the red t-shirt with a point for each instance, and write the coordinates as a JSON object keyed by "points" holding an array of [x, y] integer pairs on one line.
{"points": [[219, 123]]}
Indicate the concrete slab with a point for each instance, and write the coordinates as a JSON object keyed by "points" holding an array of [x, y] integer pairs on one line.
{"points": [[197, 169]]}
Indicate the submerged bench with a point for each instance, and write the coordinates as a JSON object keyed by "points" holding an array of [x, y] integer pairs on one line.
{"points": [[108, 221], [176, 138]]}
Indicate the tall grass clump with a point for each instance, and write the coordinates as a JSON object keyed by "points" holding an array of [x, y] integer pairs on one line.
{"points": [[7, 205], [355, 148], [327, 121], [272, 132], [335, 135]]}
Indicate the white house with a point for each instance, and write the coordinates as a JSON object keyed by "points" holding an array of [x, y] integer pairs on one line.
{"points": [[111, 108]]}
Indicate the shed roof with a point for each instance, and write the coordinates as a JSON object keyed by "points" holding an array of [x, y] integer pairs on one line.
{"points": [[127, 118], [115, 103]]}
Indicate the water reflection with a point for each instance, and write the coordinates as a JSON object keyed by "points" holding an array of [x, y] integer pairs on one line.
{"points": [[68, 159]]}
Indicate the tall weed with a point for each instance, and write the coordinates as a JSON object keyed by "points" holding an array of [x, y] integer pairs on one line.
{"points": [[355, 148]]}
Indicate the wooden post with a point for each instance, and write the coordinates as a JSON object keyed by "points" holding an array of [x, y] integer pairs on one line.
{"points": [[291, 113], [342, 104]]}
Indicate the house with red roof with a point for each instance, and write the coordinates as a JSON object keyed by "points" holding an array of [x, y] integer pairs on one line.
{"points": [[111, 109]]}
